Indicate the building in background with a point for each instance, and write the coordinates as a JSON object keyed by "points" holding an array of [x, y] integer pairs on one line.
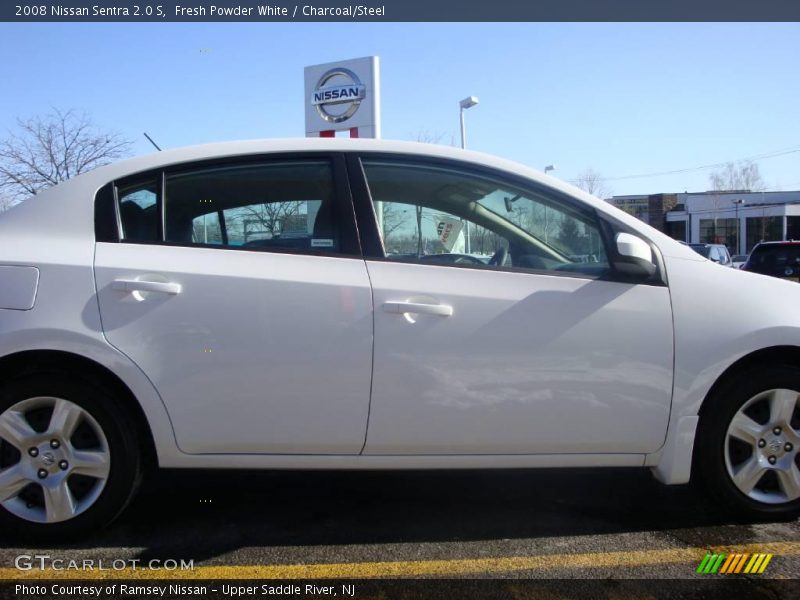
{"points": [[737, 219], [651, 209]]}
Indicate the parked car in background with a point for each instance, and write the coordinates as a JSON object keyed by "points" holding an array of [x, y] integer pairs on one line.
{"points": [[298, 304], [717, 253], [738, 260], [776, 259]]}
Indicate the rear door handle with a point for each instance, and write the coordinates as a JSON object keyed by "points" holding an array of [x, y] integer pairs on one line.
{"points": [[133, 285], [401, 308]]}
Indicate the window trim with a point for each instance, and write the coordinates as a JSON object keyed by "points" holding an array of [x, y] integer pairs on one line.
{"points": [[162, 208], [106, 218], [117, 213], [373, 244], [150, 174], [349, 243]]}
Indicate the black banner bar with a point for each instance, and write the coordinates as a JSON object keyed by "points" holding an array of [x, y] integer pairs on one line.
{"points": [[398, 10]]}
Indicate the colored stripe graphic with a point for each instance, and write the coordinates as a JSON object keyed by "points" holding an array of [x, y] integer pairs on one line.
{"points": [[718, 563], [753, 561], [728, 563], [711, 563], [737, 563], [765, 563], [703, 563], [740, 564], [733, 562]]}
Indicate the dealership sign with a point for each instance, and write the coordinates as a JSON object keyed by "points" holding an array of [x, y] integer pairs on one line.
{"points": [[326, 96], [343, 96]]}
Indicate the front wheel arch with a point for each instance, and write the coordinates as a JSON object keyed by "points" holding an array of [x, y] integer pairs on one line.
{"points": [[712, 456], [773, 356]]}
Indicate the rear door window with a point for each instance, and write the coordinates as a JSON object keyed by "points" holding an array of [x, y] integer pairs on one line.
{"points": [[272, 206]]}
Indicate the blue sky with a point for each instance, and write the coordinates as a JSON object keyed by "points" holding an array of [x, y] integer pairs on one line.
{"points": [[622, 99]]}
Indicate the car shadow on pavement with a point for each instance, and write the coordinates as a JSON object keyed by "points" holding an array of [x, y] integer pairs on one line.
{"points": [[200, 515]]}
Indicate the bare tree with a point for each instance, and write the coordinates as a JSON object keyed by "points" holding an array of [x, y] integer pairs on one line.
{"points": [[716, 205], [47, 150], [737, 176], [435, 137], [269, 218], [393, 218], [5, 203], [592, 182]]}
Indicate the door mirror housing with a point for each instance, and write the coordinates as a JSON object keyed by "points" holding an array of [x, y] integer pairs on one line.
{"points": [[634, 256]]}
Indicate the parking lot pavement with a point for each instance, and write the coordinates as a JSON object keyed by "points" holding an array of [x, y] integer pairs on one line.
{"points": [[609, 523]]}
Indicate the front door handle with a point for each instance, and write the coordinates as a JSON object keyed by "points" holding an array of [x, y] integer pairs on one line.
{"points": [[133, 285], [401, 308]]}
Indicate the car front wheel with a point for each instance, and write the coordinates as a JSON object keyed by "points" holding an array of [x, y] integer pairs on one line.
{"points": [[748, 441], [69, 462]]}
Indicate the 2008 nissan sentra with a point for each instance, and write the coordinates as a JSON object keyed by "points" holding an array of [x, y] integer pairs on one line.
{"points": [[357, 304]]}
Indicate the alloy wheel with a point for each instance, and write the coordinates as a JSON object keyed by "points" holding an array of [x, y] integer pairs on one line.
{"points": [[54, 460], [761, 447]]}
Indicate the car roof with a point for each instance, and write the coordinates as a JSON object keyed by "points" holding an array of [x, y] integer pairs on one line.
{"points": [[780, 243]]}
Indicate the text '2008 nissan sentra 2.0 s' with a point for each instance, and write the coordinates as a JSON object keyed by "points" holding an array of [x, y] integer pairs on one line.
{"points": [[349, 304]]}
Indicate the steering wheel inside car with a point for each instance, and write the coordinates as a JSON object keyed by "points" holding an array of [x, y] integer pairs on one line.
{"points": [[499, 258], [467, 259], [456, 259]]}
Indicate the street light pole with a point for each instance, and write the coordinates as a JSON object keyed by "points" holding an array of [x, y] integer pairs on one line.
{"points": [[736, 203], [463, 105], [546, 169], [466, 103]]}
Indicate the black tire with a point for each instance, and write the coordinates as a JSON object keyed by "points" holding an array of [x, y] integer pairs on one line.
{"points": [[710, 467], [124, 475]]}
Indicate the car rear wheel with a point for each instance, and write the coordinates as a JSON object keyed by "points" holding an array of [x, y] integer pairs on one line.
{"points": [[748, 441], [69, 462]]}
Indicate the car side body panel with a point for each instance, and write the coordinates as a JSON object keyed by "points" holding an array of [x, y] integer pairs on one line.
{"points": [[526, 364], [258, 353]]}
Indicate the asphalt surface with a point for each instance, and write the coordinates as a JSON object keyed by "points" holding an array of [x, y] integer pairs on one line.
{"points": [[453, 523]]}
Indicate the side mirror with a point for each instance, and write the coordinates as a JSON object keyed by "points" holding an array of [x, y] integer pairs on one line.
{"points": [[635, 257]]}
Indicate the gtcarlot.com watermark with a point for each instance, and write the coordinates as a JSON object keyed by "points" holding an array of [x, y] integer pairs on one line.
{"points": [[45, 562]]}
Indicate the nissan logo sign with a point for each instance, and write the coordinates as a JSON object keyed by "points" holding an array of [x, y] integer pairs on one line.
{"points": [[350, 92]]}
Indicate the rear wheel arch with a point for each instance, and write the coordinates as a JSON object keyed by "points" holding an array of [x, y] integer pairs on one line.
{"points": [[31, 362]]}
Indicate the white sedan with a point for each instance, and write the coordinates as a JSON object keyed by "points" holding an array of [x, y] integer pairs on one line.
{"points": [[318, 304]]}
